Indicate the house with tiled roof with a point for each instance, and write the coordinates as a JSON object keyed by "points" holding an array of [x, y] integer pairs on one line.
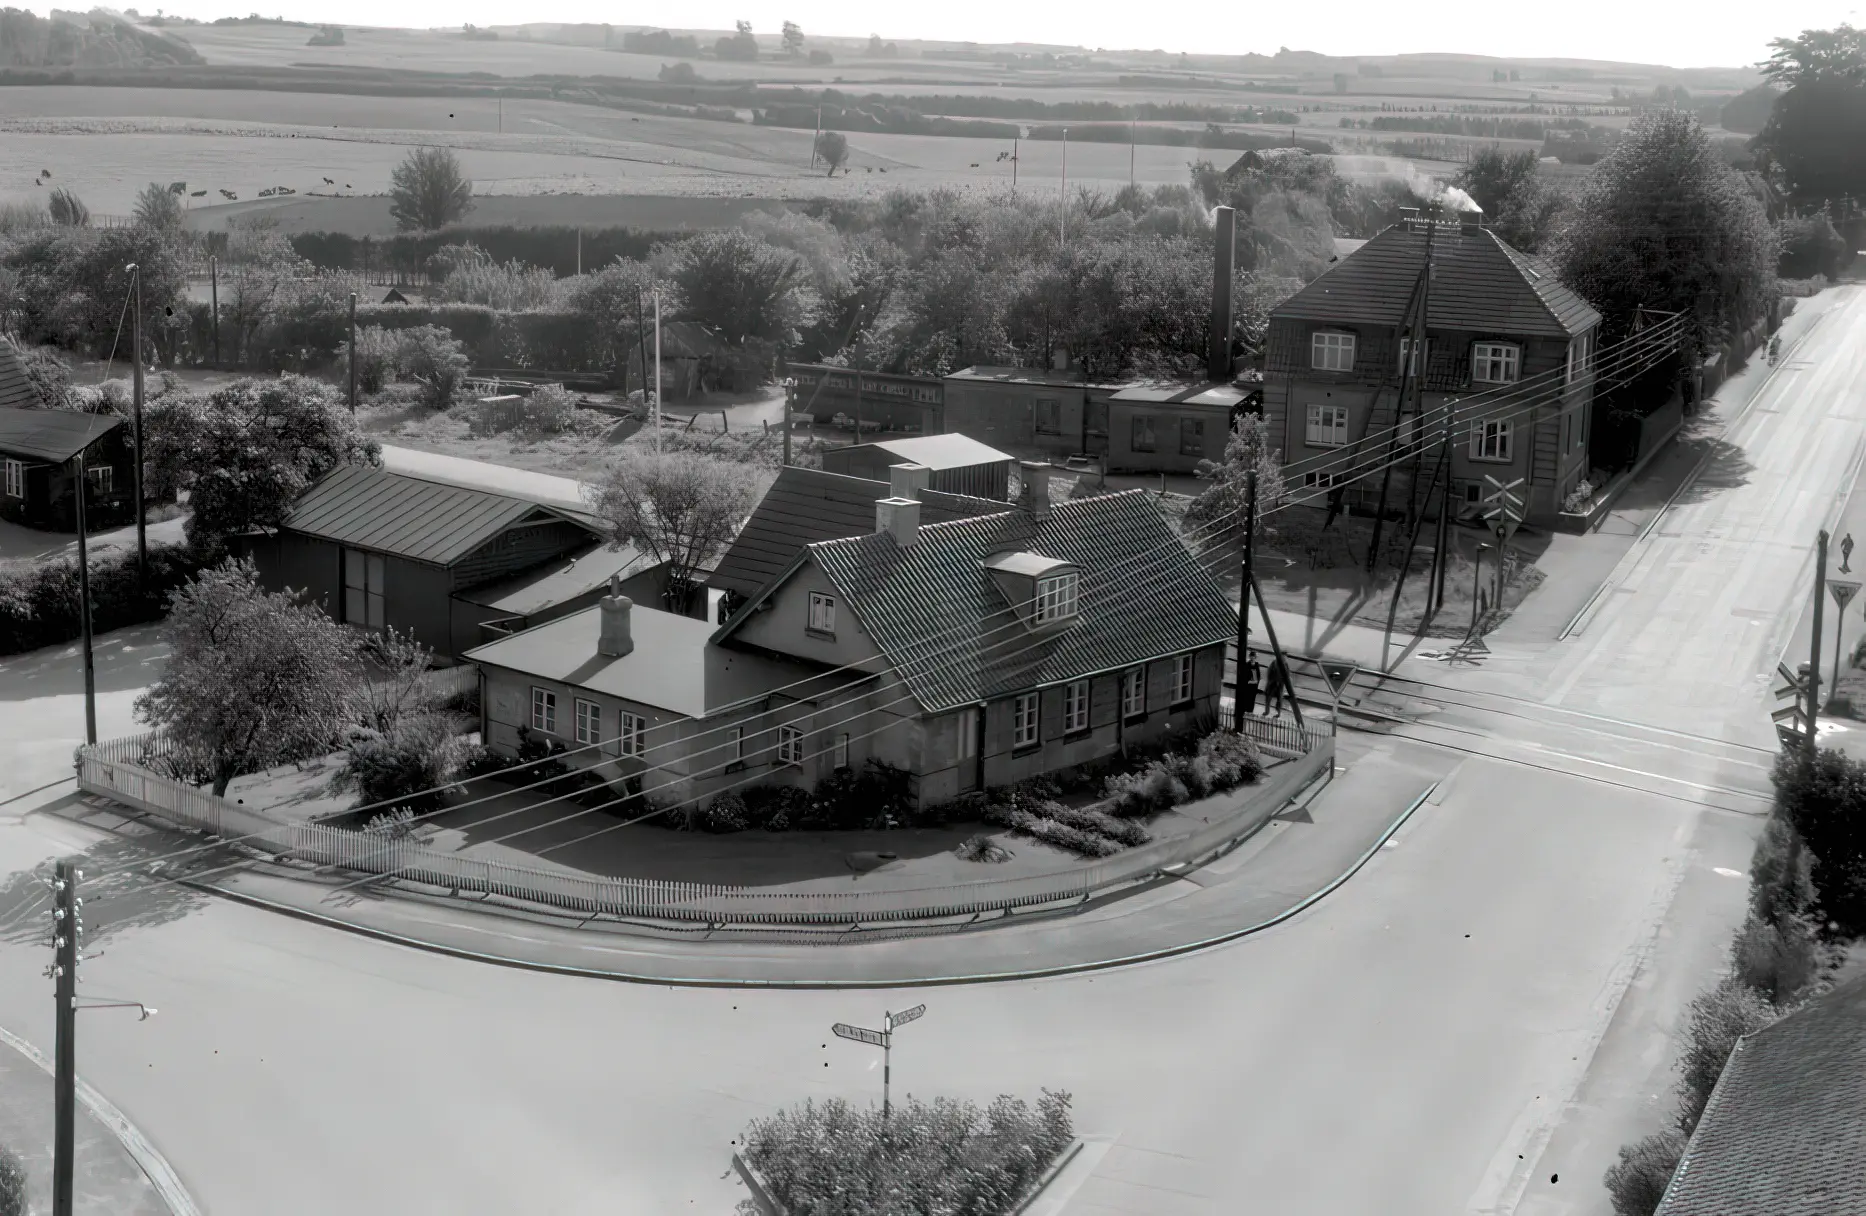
{"points": [[1784, 1132], [971, 652], [451, 565], [1507, 345]]}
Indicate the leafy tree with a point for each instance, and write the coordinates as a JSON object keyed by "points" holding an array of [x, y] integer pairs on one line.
{"points": [[1812, 247], [70, 283], [793, 39], [1663, 223], [1228, 495], [741, 45], [13, 1197], [258, 273], [1824, 801], [433, 358], [1637, 1181], [1716, 1020], [743, 287], [678, 507], [246, 451], [1518, 204], [254, 678], [159, 207], [833, 148], [67, 209], [619, 299], [1812, 140], [1748, 112], [428, 190], [949, 313]]}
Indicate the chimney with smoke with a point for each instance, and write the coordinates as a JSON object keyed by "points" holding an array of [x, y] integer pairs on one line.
{"points": [[1224, 253]]}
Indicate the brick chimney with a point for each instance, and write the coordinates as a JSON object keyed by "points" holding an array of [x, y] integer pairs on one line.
{"points": [[1224, 255], [1035, 497], [899, 518], [907, 480], [614, 640]]}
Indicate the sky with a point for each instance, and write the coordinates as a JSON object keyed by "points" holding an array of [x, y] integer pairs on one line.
{"points": [[1710, 33]]}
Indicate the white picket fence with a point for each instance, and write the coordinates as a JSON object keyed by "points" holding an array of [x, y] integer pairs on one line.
{"points": [[119, 769]]}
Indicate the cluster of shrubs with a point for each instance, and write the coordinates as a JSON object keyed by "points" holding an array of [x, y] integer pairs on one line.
{"points": [[1803, 905], [39, 599], [424, 356], [1222, 761], [877, 796], [549, 409], [539, 765]]}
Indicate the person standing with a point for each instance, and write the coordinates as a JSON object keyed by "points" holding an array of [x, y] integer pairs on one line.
{"points": [[1247, 686], [1273, 691]]}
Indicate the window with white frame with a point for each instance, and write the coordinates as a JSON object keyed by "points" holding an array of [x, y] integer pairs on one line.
{"points": [[1328, 426], [1330, 351], [15, 474], [966, 723], [822, 613], [544, 710], [1491, 440], [1024, 721], [1075, 707], [1182, 679], [1495, 362], [1056, 596], [632, 734], [103, 478], [842, 751], [589, 721], [1410, 360], [1324, 481], [789, 745], [1134, 692]]}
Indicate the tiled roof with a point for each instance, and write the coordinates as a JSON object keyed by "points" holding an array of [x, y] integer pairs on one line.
{"points": [[1478, 284], [939, 618], [425, 521], [16, 391], [1785, 1131], [808, 505], [54, 435]]}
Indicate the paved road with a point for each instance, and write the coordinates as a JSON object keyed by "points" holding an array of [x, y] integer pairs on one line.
{"points": [[1367, 1056]]}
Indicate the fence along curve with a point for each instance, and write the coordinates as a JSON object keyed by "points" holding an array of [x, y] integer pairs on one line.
{"points": [[116, 769]]}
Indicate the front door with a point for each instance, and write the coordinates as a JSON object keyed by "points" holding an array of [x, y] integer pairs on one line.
{"points": [[1095, 428]]}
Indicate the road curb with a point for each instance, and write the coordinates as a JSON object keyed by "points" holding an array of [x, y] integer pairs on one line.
{"points": [[999, 977], [148, 1158]]}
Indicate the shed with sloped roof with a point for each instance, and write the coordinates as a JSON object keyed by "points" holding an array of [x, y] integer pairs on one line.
{"points": [[38, 470]]}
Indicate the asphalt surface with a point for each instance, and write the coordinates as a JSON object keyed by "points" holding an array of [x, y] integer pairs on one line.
{"points": [[1485, 1007]]}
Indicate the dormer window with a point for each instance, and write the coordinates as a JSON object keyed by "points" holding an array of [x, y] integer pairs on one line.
{"points": [[1056, 596], [1495, 362], [1331, 351]]}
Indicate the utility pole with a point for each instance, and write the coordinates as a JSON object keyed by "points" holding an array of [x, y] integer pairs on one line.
{"points": [[816, 141], [84, 605], [1130, 152], [1414, 351], [641, 347], [1014, 164], [502, 113], [790, 405], [1062, 230], [657, 371], [136, 423], [579, 251], [1245, 581], [66, 930], [1441, 558], [353, 352], [213, 279], [1814, 646]]}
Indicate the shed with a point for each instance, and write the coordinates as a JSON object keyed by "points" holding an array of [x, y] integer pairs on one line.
{"points": [[387, 550], [37, 474], [958, 464], [1170, 427]]}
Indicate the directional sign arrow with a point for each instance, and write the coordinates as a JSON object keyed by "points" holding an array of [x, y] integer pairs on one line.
{"points": [[1788, 713], [1788, 736], [901, 1019], [1793, 677], [1791, 690], [860, 1034]]}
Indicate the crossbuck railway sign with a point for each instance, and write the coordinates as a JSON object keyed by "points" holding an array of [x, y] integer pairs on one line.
{"points": [[1503, 507]]}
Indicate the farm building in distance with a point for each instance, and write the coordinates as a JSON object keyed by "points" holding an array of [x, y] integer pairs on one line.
{"points": [[871, 400], [956, 463]]}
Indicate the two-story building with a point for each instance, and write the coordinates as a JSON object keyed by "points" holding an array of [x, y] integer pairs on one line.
{"points": [[970, 653], [1506, 369]]}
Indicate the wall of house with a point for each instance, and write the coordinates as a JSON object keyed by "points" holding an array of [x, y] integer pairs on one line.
{"points": [[1169, 454], [782, 625], [517, 549], [416, 597], [48, 502], [671, 742], [1004, 414]]}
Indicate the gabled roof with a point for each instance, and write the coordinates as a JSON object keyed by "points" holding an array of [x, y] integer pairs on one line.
{"points": [[16, 390], [1785, 1131], [1478, 284], [937, 452], [808, 505], [425, 521], [940, 620], [53, 435]]}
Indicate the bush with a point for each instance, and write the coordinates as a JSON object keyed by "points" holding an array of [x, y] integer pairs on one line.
{"points": [[39, 599], [1102, 823], [550, 409], [775, 808], [1824, 800], [1812, 247], [1717, 1019], [376, 351], [1638, 1180], [401, 768], [1223, 760], [981, 848], [831, 1159], [482, 761], [432, 357], [13, 1195], [1779, 959], [1029, 822], [725, 813]]}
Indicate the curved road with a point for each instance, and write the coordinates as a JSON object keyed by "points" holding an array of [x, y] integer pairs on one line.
{"points": [[1415, 1044]]}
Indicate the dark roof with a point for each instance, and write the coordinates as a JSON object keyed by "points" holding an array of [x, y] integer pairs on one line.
{"points": [[426, 521], [16, 390], [808, 505], [54, 435], [937, 613], [1478, 284], [1785, 1131]]}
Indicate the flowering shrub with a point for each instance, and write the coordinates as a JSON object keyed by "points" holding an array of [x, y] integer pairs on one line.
{"points": [[1224, 760]]}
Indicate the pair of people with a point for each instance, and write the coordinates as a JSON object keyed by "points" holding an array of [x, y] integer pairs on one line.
{"points": [[1271, 681]]}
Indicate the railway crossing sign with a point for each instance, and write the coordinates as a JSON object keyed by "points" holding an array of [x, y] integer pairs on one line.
{"points": [[1842, 591], [1503, 507]]}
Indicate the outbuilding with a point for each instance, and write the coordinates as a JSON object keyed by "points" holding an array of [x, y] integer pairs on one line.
{"points": [[38, 469]]}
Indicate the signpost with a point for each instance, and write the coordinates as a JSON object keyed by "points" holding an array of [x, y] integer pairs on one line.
{"points": [[1843, 593], [1503, 508], [1793, 729], [884, 1039]]}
